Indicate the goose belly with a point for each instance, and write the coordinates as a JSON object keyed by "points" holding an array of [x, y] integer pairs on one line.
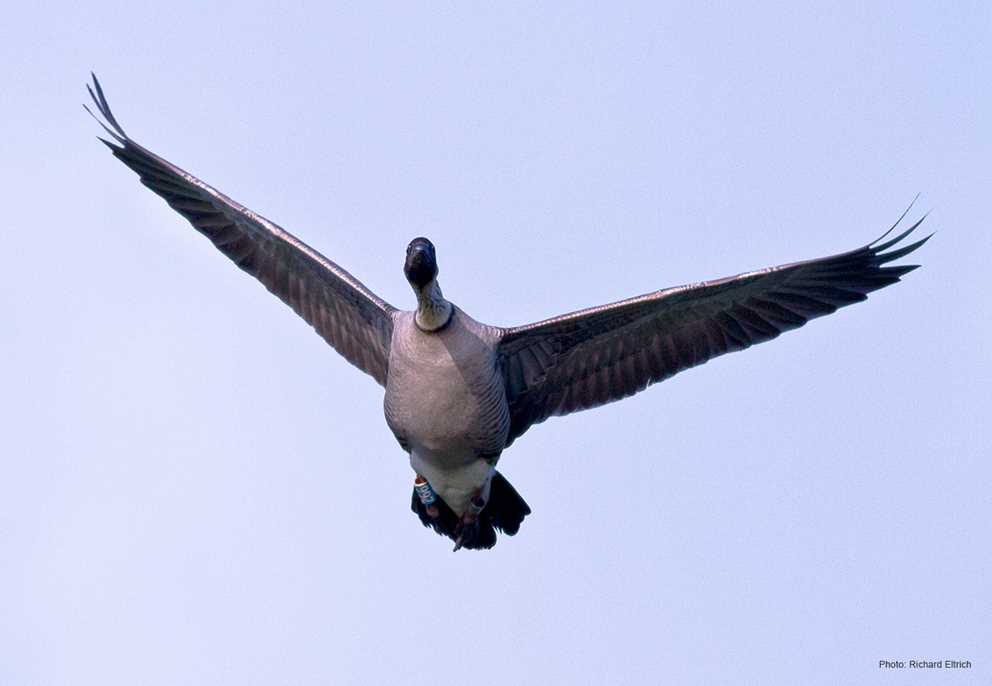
{"points": [[446, 404], [445, 418], [454, 434]]}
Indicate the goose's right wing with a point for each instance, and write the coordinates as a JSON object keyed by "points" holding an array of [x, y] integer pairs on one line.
{"points": [[595, 356], [352, 319]]}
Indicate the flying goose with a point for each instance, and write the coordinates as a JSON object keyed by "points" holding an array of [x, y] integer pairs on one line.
{"points": [[459, 392]]}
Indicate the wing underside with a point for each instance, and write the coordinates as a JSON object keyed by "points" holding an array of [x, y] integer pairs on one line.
{"points": [[352, 319], [602, 354]]}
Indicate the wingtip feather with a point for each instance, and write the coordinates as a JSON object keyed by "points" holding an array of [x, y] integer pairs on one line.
{"points": [[100, 100], [114, 135], [110, 144], [889, 243], [898, 221], [903, 251]]}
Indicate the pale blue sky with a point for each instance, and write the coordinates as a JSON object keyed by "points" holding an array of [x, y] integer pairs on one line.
{"points": [[196, 490]]}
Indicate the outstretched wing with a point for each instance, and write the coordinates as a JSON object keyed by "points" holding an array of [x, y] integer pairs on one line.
{"points": [[595, 356], [350, 317]]}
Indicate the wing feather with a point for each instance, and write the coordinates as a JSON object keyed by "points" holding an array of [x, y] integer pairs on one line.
{"points": [[580, 360], [350, 317]]}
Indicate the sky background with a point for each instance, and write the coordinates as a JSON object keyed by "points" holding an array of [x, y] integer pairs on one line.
{"points": [[195, 489]]}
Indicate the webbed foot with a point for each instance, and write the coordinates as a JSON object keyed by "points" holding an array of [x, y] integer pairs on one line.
{"points": [[467, 530]]}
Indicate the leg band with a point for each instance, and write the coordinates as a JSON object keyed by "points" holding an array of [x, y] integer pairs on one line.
{"points": [[424, 491]]}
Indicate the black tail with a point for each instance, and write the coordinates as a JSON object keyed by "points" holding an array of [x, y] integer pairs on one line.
{"points": [[505, 510]]}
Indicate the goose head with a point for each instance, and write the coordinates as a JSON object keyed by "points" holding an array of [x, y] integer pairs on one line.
{"points": [[421, 263], [433, 311]]}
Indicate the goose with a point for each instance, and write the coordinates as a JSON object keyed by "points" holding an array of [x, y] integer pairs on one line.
{"points": [[459, 392]]}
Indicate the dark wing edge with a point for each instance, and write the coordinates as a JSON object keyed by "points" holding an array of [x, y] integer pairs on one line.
{"points": [[602, 354], [346, 314]]}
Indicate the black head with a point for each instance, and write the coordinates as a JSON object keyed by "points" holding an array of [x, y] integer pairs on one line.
{"points": [[421, 263]]}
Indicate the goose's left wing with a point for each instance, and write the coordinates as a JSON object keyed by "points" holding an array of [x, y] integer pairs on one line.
{"points": [[350, 317], [595, 356]]}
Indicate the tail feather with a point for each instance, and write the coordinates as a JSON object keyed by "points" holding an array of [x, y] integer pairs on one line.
{"points": [[505, 506], [444, 525]]}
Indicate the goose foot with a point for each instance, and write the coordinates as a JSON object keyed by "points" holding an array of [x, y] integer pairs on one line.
{"points": [[468, 528]]}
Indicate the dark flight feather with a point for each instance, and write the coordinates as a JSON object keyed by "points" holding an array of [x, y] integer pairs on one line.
{"points": [[352, 319], [580, 360]]}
